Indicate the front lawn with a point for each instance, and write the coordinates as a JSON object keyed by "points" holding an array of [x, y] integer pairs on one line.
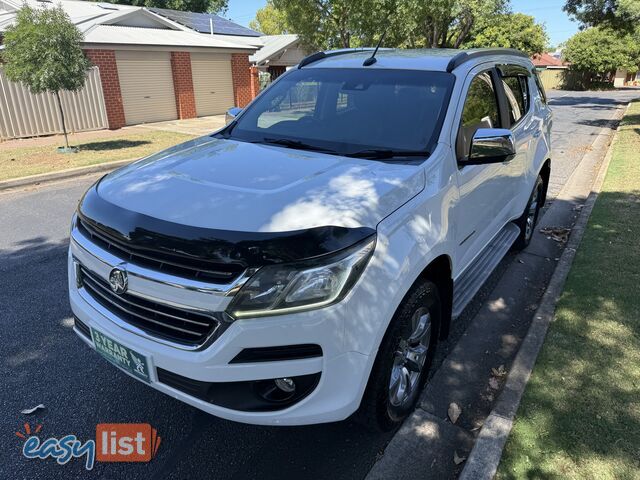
{"points": [[30, 160], [580, 414]]}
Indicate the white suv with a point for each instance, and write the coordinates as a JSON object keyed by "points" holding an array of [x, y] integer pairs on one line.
{"points": [[302, 263]]}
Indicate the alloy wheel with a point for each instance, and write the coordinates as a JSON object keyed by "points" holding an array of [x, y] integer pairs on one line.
{"points": [[409, 360], [532, 214]]}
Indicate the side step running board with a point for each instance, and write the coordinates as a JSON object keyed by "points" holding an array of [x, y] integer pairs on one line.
{"points": [[468, 284]]}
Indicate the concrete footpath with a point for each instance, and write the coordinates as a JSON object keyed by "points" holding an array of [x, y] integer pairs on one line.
{"points": [[429, 444]]}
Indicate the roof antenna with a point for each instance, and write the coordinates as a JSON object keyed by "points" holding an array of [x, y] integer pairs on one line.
{"points": [[372, 59]]}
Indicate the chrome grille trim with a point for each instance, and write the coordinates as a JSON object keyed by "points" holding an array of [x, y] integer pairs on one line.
{"points": [[96, 288], [108, 258], [106, 293], [165, 290]]}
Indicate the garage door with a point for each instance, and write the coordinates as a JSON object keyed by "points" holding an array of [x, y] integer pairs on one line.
{"points": [[146, 83], [212, 83]]}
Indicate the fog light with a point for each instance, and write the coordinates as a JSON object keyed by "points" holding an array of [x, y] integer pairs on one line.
{"points": [[287, 385]]}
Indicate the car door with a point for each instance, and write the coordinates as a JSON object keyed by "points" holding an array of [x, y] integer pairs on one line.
{"points": [[484, 190], [515, 89]]}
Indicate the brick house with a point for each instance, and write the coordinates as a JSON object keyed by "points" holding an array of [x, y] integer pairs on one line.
{"points": [[155, 69], [275, 54]]}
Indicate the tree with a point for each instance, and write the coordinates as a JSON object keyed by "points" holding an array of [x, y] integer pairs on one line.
{"points": [[326, 24], [269, 20], [42, 50], [613, 13], [601, 50], [443, 23], [509, 30], [321, 24], [210, 6]]}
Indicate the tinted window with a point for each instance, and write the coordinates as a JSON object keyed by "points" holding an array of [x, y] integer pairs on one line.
{"points": [[480, 111], [298, 103], [516, 89], [349, 110], [543, 94]]}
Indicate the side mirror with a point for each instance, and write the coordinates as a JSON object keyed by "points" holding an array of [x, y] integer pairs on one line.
{"points": [[491, 145], [231, 114]]}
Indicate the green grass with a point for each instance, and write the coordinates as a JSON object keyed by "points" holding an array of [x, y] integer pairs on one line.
{"points": [[22, 161], [580, 414]]}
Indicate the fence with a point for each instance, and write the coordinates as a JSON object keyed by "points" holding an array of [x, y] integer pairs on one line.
{"points": [[552, 79], [568, 79], [23, 114]]}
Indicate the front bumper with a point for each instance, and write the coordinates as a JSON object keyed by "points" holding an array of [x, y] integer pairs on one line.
{"points": [[336, 396]]}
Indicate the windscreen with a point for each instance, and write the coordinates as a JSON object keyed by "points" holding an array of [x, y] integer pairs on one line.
{"points": [[346, 111]]}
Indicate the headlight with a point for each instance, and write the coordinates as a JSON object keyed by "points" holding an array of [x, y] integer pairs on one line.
{"points": [[280, 289]]}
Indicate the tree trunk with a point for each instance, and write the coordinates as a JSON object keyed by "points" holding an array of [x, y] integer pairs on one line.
{"points": [[64, 127], [464, 33], [434, 37]]}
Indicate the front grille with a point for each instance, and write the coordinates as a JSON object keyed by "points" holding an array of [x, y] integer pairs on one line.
{"points": [[171, 323], [172, 263]]}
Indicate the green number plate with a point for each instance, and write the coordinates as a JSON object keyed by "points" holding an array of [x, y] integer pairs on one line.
{"points": [[121, 356]]}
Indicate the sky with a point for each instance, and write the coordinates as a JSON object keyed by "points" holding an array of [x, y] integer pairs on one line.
{"points": [[549, 12]]}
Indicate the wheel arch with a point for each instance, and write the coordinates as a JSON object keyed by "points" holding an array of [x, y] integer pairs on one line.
{"points": [[439, 271]]}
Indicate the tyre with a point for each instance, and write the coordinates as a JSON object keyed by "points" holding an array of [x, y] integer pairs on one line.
{"points": [[403, 361], [527, 222]]}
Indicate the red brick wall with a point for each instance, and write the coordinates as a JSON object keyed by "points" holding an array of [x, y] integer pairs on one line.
{"points": [[245, 79], [105, 60], [183, 84]]}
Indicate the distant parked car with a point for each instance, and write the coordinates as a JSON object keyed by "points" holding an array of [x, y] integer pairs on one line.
{"points": [[301, 264]]}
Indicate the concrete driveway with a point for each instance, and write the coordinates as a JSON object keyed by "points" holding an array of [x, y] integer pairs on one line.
{"points": [[190, 126], [41, 360]]}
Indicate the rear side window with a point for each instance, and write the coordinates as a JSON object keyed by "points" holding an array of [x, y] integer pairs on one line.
{"points": [[516, 88], [543, 94], [480, 111]]}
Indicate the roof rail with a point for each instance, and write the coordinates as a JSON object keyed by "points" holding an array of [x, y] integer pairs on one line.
{"points": [[332, 53], [463, 56]]}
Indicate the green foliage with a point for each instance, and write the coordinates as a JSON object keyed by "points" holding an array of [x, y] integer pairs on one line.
{"points": [[439, 23], [269, 20], [42, 50], [322, 24], [210, 6], [578, 418], [510, 30], [613, 13], [601, 50], [326, 24]]}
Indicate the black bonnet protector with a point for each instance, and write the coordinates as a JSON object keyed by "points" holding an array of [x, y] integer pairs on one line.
{"points": [[246, 249]]}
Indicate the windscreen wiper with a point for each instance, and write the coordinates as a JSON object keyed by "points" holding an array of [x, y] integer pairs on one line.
{"points": [[383, 153], [296, 144]]}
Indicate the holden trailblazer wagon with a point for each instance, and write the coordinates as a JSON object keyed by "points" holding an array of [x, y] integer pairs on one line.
{"points": [[301, 264]]}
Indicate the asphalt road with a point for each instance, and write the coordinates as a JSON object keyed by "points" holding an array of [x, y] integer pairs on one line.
{"points": [[41, 360]]}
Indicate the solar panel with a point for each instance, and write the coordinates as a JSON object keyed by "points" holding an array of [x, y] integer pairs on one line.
{"points": [[201, 22]]}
